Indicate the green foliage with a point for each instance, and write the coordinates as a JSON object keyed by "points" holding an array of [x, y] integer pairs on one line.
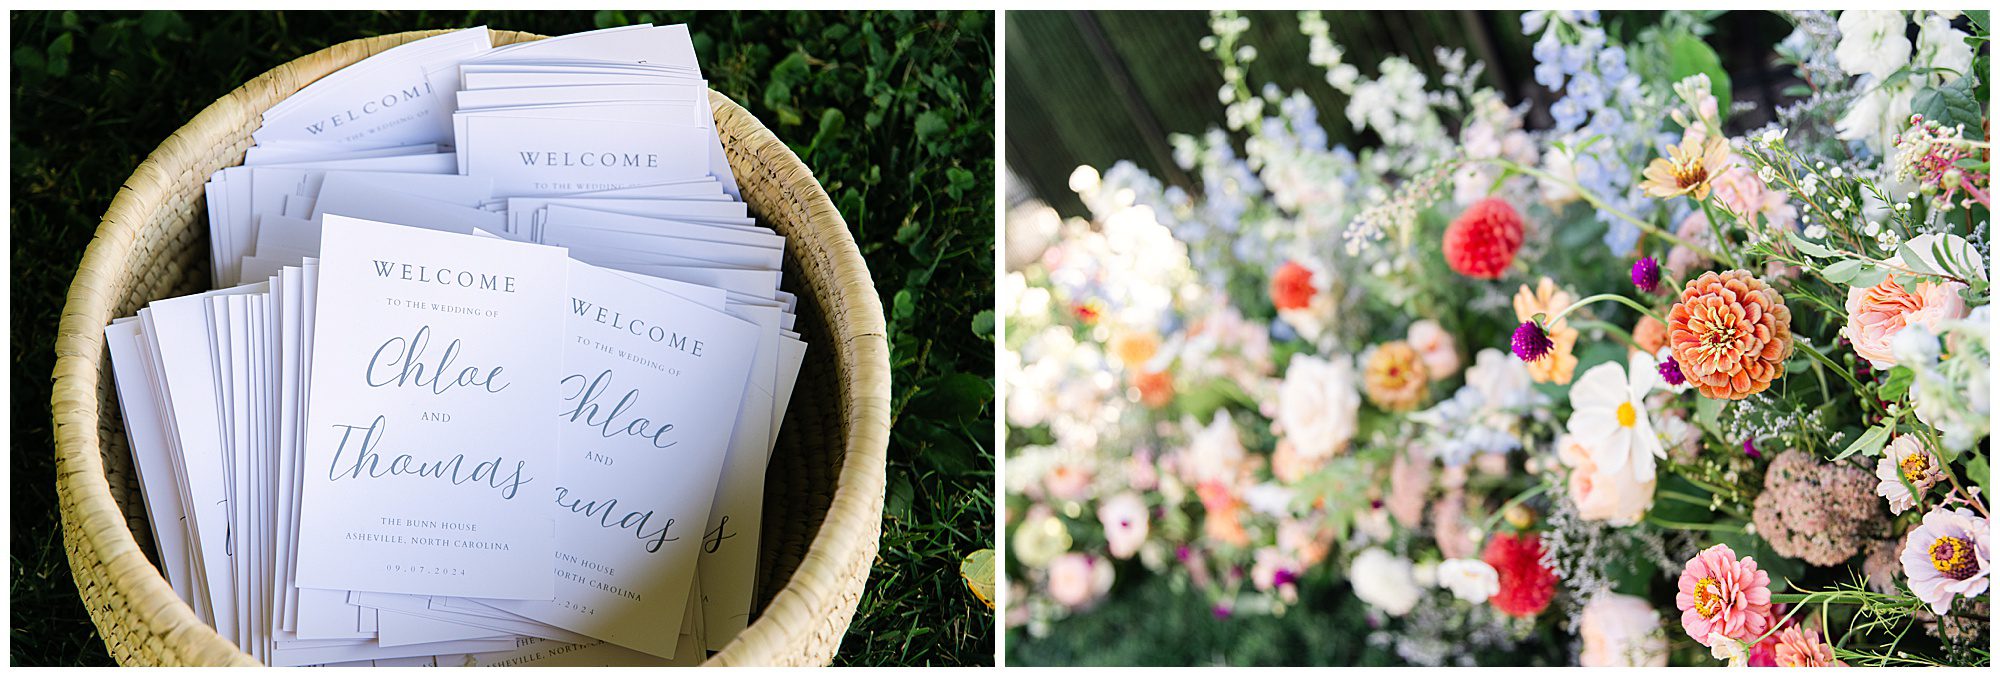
{"points": [[892, 110], [1950, 104], [1687, 56]]}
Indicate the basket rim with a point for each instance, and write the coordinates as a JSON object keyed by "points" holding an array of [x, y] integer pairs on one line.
{"points": [[97, 535]]}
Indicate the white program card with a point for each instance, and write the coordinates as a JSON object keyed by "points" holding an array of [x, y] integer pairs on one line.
{"points": [[653, 383], [428, 443]]}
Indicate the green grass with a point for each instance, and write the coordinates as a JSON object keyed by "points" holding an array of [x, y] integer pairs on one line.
{"points": [[892, 110]]}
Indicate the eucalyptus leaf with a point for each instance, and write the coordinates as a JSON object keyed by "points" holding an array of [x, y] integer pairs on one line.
{"points": [[1869, 276], [1842, 272], [1808, 247], [1915, 263]]}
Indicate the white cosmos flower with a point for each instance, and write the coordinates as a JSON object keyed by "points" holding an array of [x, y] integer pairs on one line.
{"points": [[1610, 416]]}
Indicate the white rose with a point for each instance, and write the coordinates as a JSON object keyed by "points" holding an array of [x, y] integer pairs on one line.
{"points": [[1562, 165], [1469, 579], [1384, 581], [1214, 451], [1317, 405]]}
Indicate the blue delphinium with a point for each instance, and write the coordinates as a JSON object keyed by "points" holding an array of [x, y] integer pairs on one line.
{"points": [[1595, 81]]}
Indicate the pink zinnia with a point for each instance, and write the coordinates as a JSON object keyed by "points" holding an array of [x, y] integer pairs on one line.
{"points": [[1722, 594], [1799, 647]]}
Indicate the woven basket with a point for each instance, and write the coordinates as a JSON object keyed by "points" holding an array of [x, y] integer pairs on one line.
{"points": [[823, 498]]}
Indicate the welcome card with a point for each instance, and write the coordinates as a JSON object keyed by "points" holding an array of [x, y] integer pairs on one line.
{"points": [[428, 445], [652, 385]]}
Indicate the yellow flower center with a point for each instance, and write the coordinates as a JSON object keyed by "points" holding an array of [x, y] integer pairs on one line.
{"points": [[1916, 467], [1688, 171], [1952, 556], [1708, 597], [1627, 416]]}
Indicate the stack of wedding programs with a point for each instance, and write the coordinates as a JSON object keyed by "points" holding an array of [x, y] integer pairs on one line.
{"points": [[492, 371]]}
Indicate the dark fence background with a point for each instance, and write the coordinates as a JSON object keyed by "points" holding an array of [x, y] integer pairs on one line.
{"points": [[1095, 87]]}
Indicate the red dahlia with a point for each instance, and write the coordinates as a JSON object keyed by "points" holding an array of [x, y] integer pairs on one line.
{"points": [[1481, 242], [1292, 287], [1526, 586]]}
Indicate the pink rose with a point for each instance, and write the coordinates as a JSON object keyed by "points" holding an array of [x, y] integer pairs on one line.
{"points": [[1125, 523], [1409, 488], [1068, 482], [1076, 580]]}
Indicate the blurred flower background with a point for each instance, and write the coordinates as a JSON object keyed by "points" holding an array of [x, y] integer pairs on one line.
{"points": [[1543, 338]]}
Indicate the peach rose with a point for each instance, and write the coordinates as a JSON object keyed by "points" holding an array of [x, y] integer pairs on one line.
{"points": [[1435, 346], [1620, 631], [1156, 388], [1650, 334], [1134, 348], [1610, 496], [1069, 482], [1876, 314]]}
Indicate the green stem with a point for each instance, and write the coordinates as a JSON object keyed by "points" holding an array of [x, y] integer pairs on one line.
{"points": [[1705, 486], [1600, 204], [1612, 329], [1486, 529], [1690, 526], [1715, 231], [1587, 300], [1830, 364], [1698, 501]]}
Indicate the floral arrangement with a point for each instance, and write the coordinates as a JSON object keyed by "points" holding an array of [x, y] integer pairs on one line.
{"points": [[1681, 394]]}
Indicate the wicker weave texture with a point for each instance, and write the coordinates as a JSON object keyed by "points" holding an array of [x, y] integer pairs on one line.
{"points": [[823, 500]]}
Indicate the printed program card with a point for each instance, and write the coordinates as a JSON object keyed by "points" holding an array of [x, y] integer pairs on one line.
{"points": [[650, 393], [429, 448]]}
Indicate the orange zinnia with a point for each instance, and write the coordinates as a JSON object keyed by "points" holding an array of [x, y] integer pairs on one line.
{"points": [[1730, 333]]}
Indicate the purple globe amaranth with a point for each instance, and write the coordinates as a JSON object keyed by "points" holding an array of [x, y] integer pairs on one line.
{"points": [[1646, 274], [1670, 371], [1531, 342], [1283, 577]]}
